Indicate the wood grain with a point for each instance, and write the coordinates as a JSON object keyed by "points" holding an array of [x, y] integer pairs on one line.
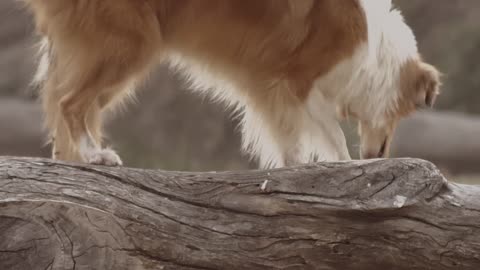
{"points": [[379, 214]]}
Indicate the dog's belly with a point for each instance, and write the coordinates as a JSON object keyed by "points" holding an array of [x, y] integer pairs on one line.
{"points": [[209, 80]]}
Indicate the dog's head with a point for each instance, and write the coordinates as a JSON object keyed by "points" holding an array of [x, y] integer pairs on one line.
{"points": [[391, 82], [418, 87]]}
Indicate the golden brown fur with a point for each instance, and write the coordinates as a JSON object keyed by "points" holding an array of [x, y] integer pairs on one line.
{"points": [[419, 87], [271, 50]]}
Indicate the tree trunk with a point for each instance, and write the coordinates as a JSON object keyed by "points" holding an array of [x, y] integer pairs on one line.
{"points": [[379, 214], [448, 139]]}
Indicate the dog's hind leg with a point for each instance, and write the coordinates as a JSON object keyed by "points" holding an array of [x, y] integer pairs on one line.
{"points": [[62, 148], [46, 78], [81, 108], [92, 66]]}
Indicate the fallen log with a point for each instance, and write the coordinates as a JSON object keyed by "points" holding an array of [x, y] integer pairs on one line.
{"points": [[377, 214]]}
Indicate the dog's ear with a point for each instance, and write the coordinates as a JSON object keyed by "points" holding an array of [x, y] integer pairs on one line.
{"points": [[427, 84]]}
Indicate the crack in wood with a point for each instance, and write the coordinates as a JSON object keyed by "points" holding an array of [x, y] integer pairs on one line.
{"points": [[56, 215]]}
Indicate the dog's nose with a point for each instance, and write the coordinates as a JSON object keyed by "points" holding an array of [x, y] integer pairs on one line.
{"points": [[374, 154], [370, 155]]}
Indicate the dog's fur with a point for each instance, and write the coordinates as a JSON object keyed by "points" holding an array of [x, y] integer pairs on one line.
{"points": [[286, 66]]}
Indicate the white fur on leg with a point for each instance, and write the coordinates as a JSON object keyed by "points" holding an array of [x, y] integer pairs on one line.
{"points": [[106, 157], [310, 133], [319, 137], [322, 134], [93, 154], [259, 142]]}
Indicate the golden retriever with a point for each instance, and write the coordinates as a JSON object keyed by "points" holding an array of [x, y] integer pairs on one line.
{"points": [[289, 67]]}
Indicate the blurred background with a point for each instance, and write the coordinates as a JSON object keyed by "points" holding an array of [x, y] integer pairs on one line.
{"points": [[174, 129]]}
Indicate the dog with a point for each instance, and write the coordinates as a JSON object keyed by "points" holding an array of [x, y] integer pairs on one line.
{"points": [[291, 69]]}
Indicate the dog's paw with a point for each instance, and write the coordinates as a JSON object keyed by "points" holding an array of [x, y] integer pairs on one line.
{"points": [[105, 157]]}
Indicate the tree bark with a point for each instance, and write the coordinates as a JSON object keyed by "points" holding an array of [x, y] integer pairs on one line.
{"points": [[378, 214]]}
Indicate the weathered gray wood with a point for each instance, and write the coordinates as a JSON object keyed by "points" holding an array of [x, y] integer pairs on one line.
{"points": [[380, 214]]}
